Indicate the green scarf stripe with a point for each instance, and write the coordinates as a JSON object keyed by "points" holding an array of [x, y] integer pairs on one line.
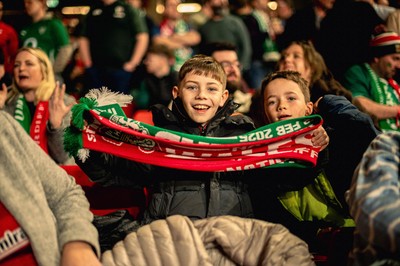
{"points": [[22, 113]]}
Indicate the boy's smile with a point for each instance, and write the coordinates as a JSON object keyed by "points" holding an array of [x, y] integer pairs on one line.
{"points": [[201, 96]]}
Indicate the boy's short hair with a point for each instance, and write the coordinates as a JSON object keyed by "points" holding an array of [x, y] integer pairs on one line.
{"points": [[205, 66], [161, 49], [289, 75]]}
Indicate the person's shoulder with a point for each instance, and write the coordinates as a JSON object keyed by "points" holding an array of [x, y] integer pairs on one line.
{"points": [[305, 12], [234, 18], [206, 25], [357, 67], [95, 9], [126, 6], [53, 22], [7, 121], [6, 26], [162, 115], [240, 120], [355, 70]]}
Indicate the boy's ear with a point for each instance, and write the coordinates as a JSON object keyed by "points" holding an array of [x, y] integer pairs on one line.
{"points": [[224, 96], [175, 92], [309, 108]]}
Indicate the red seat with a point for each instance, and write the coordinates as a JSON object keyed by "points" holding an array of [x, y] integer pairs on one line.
{"points": [[129, 109], [144, 116], [104, 200]]}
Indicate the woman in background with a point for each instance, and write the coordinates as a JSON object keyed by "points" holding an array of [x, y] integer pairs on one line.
{"points": [[302, 57], [38, 103]]}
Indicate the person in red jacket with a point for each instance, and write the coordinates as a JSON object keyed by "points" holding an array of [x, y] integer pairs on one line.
{"points": [[8, 43]]}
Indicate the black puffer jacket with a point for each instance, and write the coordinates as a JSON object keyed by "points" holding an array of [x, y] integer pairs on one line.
{"points": [[190, 193]]}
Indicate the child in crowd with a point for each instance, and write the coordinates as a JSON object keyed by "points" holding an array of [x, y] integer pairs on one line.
{"points": [[285, 95], [158, 80], [201, 106]]}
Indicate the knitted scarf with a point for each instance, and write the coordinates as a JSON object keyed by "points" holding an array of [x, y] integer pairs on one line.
{"points": [[387, 93], [35, 126], [285, 143]]}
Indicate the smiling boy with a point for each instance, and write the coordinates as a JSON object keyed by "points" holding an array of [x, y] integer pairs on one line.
{"points": [[200, 106], [202, 92]]}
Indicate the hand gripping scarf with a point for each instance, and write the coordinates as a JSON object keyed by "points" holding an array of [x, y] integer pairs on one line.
{"points": [[285, 143]]}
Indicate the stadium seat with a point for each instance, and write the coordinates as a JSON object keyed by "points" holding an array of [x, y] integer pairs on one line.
{"points": [[104, 200], [144, 116]]}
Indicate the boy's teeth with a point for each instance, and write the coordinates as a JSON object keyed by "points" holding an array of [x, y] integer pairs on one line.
{"points": [[200, 107]]}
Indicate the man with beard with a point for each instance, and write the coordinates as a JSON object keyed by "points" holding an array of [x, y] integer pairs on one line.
{"points": [[372, 85], [226, 54], [223, 27]]}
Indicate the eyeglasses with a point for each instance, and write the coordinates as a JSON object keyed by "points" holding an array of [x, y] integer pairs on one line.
{"points": [[226, 64]]}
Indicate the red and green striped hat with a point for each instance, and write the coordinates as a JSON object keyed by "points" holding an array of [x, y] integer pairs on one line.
{"points": [[385, 43]]}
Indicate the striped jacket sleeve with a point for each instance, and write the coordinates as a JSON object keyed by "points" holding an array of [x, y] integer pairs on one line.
{"points": [[374, 199]]}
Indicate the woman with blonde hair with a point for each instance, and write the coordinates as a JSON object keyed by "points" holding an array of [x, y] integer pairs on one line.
{"points": [[37, 102]]}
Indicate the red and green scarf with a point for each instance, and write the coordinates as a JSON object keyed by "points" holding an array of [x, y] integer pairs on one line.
{"points": [[35, 126], [285, 143]]}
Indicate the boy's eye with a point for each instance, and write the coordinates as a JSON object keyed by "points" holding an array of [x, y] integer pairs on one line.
{"points": [[292, 98], [212, 89], [191, 87]]}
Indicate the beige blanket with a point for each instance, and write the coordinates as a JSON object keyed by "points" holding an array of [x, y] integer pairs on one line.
{"points": [[223, 240]]}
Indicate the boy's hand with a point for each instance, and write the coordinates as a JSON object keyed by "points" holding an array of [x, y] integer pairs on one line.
{"points": [[320, 138]]}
